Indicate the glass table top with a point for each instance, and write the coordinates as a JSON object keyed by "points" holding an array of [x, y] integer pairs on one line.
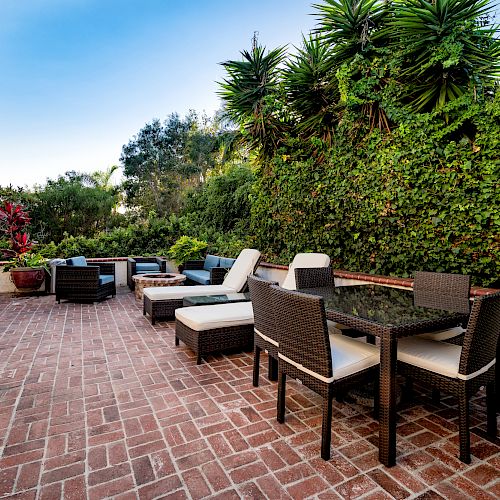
{"points": [[386, 306], [206, 300]]}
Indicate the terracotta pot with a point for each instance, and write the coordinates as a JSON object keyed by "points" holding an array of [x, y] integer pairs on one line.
{"points": [[27, 278]]}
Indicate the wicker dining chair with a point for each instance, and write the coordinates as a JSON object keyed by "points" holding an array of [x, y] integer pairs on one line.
{"points": [[460, 370], [442, 291], [265, 332], [320, 277], [322, 362]]}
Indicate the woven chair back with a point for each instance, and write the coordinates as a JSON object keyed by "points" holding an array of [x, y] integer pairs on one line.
{"points": [[313, 277], [481, 338], [303, 334], [263, 314], [450, 292]]}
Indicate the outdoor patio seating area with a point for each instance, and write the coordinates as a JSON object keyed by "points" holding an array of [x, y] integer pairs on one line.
{"points": [[97, 402]]}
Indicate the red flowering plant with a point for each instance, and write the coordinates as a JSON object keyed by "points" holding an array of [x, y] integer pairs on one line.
{"points": [[14, 220]]}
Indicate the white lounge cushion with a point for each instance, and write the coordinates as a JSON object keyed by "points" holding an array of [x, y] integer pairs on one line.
{"points": [[201, 318], [242, 268], [304, 260], [349, 356], [437, 357], [179, 292], [441, 335]]}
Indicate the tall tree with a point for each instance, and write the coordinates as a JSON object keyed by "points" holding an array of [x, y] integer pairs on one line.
{"points": [[156, 164]]}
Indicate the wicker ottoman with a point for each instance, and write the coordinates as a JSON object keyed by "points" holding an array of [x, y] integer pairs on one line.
{"points": [[208, 329]]}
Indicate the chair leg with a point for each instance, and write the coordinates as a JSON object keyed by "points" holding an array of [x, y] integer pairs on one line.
{"points": [[256, 368], [176, 340], [280, 414], [491, 428], [463, 423], [198, 358], [436, 396], [376, 399], [326, 426], [272, 366], [408, 389]]}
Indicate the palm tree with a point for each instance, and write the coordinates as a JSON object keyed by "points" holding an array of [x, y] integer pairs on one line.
{"points": [[451, 49], [250, 95], [311, 89]]}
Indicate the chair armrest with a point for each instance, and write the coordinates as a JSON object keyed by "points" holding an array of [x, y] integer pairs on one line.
{"points": [[162, 263], [194, 264], [105, 267], [217, 275]]}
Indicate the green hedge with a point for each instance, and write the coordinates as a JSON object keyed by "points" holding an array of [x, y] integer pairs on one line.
{"points": [[425, 197]]}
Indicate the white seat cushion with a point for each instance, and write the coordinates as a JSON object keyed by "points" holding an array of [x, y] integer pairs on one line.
{"points": [[304, 260], [443, 334], [179, 292], [244, 265], [437, 357], [201, 318], [349, 356]]}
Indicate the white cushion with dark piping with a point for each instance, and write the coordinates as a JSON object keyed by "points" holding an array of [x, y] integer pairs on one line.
{"points": [[201, 318], [304, 260], [244, 265]]}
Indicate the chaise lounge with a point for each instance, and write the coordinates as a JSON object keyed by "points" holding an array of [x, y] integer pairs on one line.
{"points": [[162, 302]]}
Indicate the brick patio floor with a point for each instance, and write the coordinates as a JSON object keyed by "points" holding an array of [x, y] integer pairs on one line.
{"points": [[95, 402]]}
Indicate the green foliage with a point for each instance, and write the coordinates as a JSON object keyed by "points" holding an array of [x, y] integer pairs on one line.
{"points": [[70, 205], [187, 248], [422, 198]]}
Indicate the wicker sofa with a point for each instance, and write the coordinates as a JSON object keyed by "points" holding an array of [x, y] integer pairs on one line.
{"points": [[80, 282], [210, 271]]}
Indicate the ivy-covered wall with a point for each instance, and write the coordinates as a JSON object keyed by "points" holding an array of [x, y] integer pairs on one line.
{"points": [[423, 197]]}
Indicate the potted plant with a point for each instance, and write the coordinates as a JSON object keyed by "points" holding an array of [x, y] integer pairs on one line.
{"points": [[27, 269], [187, 248]]}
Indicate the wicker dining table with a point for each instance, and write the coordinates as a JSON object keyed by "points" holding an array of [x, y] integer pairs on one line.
{"points": [[389, 314]]}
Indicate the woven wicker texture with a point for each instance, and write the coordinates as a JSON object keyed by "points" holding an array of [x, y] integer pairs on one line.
{"points": [[479, 349], [264, 322], [81, 283], [304, 339], [446, 291]]}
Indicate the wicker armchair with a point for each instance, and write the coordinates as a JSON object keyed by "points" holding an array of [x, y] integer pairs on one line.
{"points": [[460, 370], [159, 265], [85, 283], [265, 331], [325, 363]]}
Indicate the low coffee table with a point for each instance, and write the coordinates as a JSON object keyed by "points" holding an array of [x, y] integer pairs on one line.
{"points": [[155, 279], [210, 300]]}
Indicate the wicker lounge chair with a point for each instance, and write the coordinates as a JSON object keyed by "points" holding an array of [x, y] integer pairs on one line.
{"points": [[162, 302], [80, 282], [144, 265], [209, 329], [321, 361], [460, 370]]}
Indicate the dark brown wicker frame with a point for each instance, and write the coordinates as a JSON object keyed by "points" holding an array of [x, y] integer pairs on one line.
{"points": [[299, 314], [447, 291], [132, 270], [81, 283], [260, 295], [216, 340], [478, 349], [388, 336], [165, 309]]}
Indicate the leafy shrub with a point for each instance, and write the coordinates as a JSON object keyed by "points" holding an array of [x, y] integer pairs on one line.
{"points": [[424, 197], [186, 248]]}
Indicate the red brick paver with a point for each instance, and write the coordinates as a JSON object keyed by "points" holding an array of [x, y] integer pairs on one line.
{"points": [[95, 402]]}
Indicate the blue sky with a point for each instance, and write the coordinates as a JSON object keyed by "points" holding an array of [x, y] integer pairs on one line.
{"points": [[81, 77]]}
